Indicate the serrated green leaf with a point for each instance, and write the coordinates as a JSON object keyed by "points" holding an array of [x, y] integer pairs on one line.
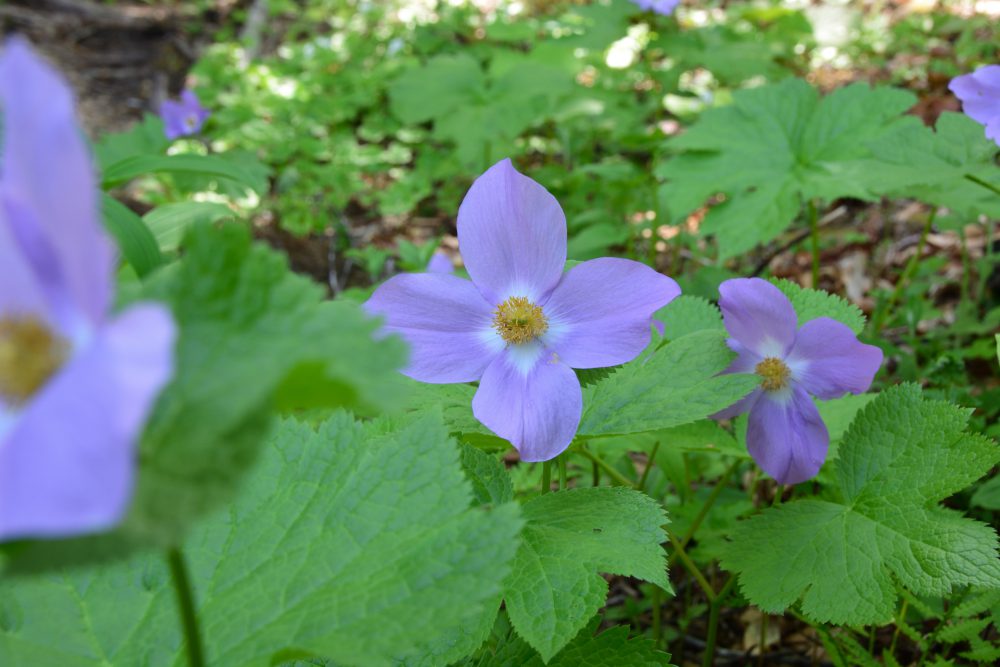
{"points": [[810, 304], [688, 314], [930, 165], [677, 384], [841, 555], [554, 587], [611, 648], [134, 239], [775, 147], [360, 542], [491, 484]]}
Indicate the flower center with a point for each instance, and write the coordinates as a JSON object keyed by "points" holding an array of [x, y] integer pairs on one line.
{"points": [[30, 354], [517, 320], [775, 373]]}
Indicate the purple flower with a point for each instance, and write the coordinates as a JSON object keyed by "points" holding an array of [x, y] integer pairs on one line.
{"points": [[663, 7], [183, 118], [521, 325], [76, 383], [980, 95], [785, 434], [440, 263]]}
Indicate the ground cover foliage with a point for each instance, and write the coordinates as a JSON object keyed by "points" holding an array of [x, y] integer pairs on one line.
{"points": [[299, 501]]}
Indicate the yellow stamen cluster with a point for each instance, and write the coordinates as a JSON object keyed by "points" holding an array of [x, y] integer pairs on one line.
{"points": [[30, 354], [517, 320], [775, 373]]}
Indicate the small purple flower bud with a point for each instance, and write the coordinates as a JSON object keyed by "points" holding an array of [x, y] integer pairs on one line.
{"points": [[662, 7], [184, 117]]}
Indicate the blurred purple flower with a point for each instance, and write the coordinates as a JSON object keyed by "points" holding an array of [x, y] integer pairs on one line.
{"points": [[521, 325], [183, 118], [663, 7], [76, 384], [980, 95], [440, 263], [785, 434]]}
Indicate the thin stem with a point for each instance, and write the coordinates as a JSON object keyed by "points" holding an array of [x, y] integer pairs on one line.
{"points": [[657, 602], [703, 512], [911, 268], [986, 184], [185, 606], [814, 235], [692, 568], [899, 621], [614, 474], [649, 466], [562, 472], [713, 622], [762, 640], [778, 492], [546, 476], [596, 473]]}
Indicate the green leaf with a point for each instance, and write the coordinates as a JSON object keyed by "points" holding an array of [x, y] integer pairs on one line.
{"points": [[134, 239], [611, 648], [841, 555], [437, 88], [677, 384], [810, 304], [205, 165], [775, 147], [145, 138], [687, 314], [987, 495], [361, 545], [554, 587], [170, 222], [930, 165], [491, 484]]}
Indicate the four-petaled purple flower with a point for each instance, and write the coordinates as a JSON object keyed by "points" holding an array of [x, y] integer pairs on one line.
{"points": [[184, 117], [521, 325], [785, 434], [663, 7], [76, 384], [980, 95]]}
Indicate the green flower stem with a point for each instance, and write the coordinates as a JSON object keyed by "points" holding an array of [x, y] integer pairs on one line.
{"points": [[703, 512], [185, 606], [814, 234], [546, 476], [986, 184], [691, 567], [562, 472], [904, 280], [713, 621], [657, 602], [899, 622], [649, 465], [603, 465]]}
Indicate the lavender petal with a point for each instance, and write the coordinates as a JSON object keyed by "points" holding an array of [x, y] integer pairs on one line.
{"points": [[512, 236], [600, 312], [446, 322]]}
